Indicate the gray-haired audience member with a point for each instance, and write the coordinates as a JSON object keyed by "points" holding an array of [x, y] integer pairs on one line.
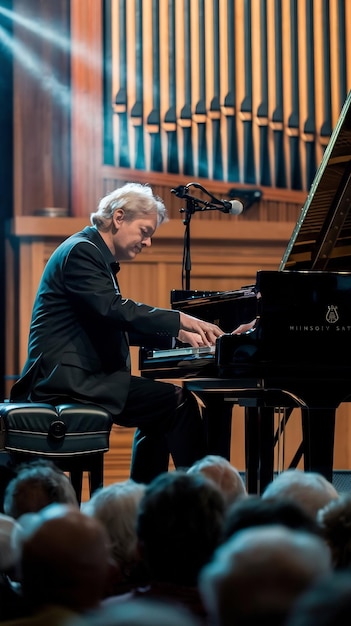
{"points": [[327, 603], [255, 577], [36, 485], [116, 507], [64, 563], [223, 474], [8, 553], [335, 523], [310, 489], [11, 604], [139, 612], [179, 526], [257, 511]]}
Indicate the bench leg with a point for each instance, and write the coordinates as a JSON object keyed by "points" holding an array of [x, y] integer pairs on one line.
{"points": [[76, 476], [96, 473]]}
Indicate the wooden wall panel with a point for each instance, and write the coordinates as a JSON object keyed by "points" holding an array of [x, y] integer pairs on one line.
{"points": [[86, 105], [41, 124]]}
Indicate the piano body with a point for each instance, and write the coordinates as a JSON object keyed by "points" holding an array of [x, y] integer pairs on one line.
{"points": [[299, 352]]}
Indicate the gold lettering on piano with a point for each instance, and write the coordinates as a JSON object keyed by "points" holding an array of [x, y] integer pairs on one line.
{"points": [[308, 328]]}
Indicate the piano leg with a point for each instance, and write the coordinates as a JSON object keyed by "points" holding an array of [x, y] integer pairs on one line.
{"points": [[318, 428], [217, 416], [259, 448]]}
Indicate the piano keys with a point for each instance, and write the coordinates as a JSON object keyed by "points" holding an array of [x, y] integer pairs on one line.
{"points": [[172, 363]]}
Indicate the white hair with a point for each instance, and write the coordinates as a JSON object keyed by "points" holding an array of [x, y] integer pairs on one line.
{"points": [[135, 199], [309, 489], [116, 507], [260, 571]]}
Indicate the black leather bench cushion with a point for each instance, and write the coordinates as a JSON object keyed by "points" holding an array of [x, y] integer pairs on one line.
{"points": [[67, 429]]}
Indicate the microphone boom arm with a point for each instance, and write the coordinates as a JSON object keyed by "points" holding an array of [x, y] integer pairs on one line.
{"points": [[199, 204]]}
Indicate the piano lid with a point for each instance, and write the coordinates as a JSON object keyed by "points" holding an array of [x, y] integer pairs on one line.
{"points": [[321, 239]]}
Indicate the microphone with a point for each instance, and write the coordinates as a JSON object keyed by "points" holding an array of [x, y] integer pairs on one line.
{"points": [[180, 191], [233, 207]]}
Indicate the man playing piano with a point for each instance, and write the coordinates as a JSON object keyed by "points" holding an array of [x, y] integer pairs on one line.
{"points": [[81, 328]]}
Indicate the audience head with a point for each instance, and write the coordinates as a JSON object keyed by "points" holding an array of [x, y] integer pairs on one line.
{"points": [[11, 602], [35, 486], [326, 603], [255, 576], [256, 511], [223, 474], [179, 526], [140, 612], [8, 552], [64, 559], [335, 524], [116, 507], [310, 489]]}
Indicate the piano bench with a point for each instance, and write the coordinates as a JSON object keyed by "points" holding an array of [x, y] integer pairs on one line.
{"points": [[73, 436]]}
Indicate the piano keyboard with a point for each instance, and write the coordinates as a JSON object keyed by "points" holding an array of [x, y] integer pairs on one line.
{"points": [[182, 352], [171, 362]]}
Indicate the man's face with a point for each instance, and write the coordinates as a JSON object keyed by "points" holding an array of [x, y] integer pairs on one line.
{"points": [[132, 237]]}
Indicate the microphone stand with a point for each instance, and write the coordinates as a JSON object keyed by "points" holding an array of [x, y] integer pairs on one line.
{"points": [[189, 212], [193, 204]]}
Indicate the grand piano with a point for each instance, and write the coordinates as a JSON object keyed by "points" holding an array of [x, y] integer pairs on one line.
{"points": [[299, 352]]}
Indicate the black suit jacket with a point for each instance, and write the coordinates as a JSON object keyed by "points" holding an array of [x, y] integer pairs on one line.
{"points": [[78, 343]]}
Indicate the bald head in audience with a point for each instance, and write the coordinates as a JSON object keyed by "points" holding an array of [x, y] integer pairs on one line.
{"points": [[309, 489], [64, 559], [220, 471], [256, 576]]}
